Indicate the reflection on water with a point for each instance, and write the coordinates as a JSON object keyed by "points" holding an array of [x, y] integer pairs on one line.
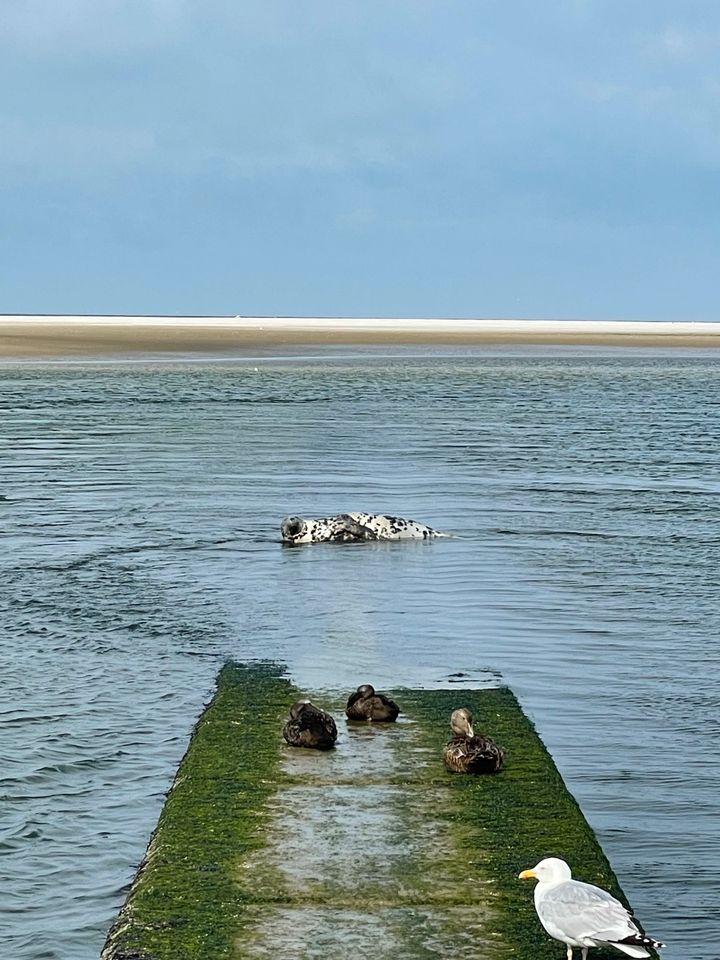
{"points": [[140, 507]]}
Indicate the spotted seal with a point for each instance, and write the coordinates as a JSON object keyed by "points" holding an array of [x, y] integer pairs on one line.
{"points": [[354, 527]]}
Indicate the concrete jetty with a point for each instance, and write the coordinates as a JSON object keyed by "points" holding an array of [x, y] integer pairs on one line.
{"points": [[263, 851]]}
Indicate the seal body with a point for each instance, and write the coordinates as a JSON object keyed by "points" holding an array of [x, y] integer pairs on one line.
{"points": [[353, 528]]}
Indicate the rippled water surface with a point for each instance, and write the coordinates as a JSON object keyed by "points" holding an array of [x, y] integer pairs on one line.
{"points": [[140, 505]]}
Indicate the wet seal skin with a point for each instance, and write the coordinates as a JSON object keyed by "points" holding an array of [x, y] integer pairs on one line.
{"points": [[354, 528]]}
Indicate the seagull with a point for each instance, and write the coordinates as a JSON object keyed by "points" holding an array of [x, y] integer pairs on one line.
{"points": [[582, 915]]}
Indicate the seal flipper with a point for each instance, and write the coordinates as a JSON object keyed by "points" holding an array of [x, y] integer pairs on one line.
{"points": [[349, 529]]}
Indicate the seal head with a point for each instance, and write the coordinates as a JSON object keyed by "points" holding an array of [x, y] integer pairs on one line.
{"points": [[292, 529]]}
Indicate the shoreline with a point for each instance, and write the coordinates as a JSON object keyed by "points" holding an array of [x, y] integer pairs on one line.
{"points": [[38, 336]]}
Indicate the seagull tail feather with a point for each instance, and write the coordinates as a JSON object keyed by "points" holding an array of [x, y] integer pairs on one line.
{"points": [[636, 945]]}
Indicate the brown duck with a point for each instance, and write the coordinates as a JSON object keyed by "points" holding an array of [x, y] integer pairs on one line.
{"points": [[309, 726], [467, 753], [365, 704]]}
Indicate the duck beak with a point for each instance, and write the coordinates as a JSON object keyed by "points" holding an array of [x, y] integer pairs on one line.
{"points": [[471, 732], [526, 875]]}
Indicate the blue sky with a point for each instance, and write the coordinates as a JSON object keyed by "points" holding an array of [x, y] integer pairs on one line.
{"points": [[333, 157]]}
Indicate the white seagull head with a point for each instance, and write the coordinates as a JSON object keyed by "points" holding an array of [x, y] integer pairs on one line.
{"points": [[549, 870]]}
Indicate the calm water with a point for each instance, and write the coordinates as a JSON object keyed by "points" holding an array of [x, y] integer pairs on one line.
{"points": [[140, 504]]}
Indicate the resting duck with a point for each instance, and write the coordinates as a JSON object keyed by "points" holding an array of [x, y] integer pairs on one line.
{"points": [[466, 753], [365, 704], [309, 726]]}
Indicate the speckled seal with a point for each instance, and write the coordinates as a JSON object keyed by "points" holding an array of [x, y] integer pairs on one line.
{"points": [[354, 527]]}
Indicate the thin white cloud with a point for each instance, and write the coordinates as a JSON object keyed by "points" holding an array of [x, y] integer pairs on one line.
{"points": [[286, 152], [59, 150], [681, 44], [66, 150], [603, 91], [66, 28]]}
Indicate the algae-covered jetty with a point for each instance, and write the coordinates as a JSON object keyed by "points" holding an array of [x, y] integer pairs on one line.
{"points": [[262, 851]]}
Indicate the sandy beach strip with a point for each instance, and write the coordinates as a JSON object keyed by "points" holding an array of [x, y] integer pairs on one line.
{"points": [[36, 336]]}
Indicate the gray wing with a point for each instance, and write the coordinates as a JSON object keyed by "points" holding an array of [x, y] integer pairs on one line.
{"points": [[582, 910]]}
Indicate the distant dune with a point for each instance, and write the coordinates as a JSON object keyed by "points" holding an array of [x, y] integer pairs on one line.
{"points": [[39, 336]]}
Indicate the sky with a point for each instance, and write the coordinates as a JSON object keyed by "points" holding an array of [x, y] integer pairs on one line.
{"points": [[361, 158]]}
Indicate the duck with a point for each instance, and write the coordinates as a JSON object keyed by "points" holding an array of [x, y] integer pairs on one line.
{"points": [[366, 704], [468, 753], [309, 726]]}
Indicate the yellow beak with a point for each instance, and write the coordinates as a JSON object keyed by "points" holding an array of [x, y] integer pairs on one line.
{"points": [[526, 875]]}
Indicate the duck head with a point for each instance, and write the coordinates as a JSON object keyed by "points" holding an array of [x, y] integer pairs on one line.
{"points": [[365, 691], [461, 723], [297, 708]]}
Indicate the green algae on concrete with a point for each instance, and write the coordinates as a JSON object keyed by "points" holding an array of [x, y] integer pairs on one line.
{"points": [[359, 855], [183, 904], [263, 851], [508, 822]]}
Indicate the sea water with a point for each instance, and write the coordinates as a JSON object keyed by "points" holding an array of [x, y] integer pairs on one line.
{"points": [[140, 507]]}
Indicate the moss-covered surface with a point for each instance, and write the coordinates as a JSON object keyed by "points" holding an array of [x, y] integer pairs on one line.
{"points": [[506, 823], [184, 904], [263, 851]]}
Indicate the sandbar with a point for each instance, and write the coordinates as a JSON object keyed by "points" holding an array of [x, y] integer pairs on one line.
{"points": [[42, 336]]}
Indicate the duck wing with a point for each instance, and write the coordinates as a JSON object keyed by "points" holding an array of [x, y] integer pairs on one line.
{"points": [[455, 755], [383, 709], [379, 708], [473, 755], [487, 755], [311, 728], [357, 707]]}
